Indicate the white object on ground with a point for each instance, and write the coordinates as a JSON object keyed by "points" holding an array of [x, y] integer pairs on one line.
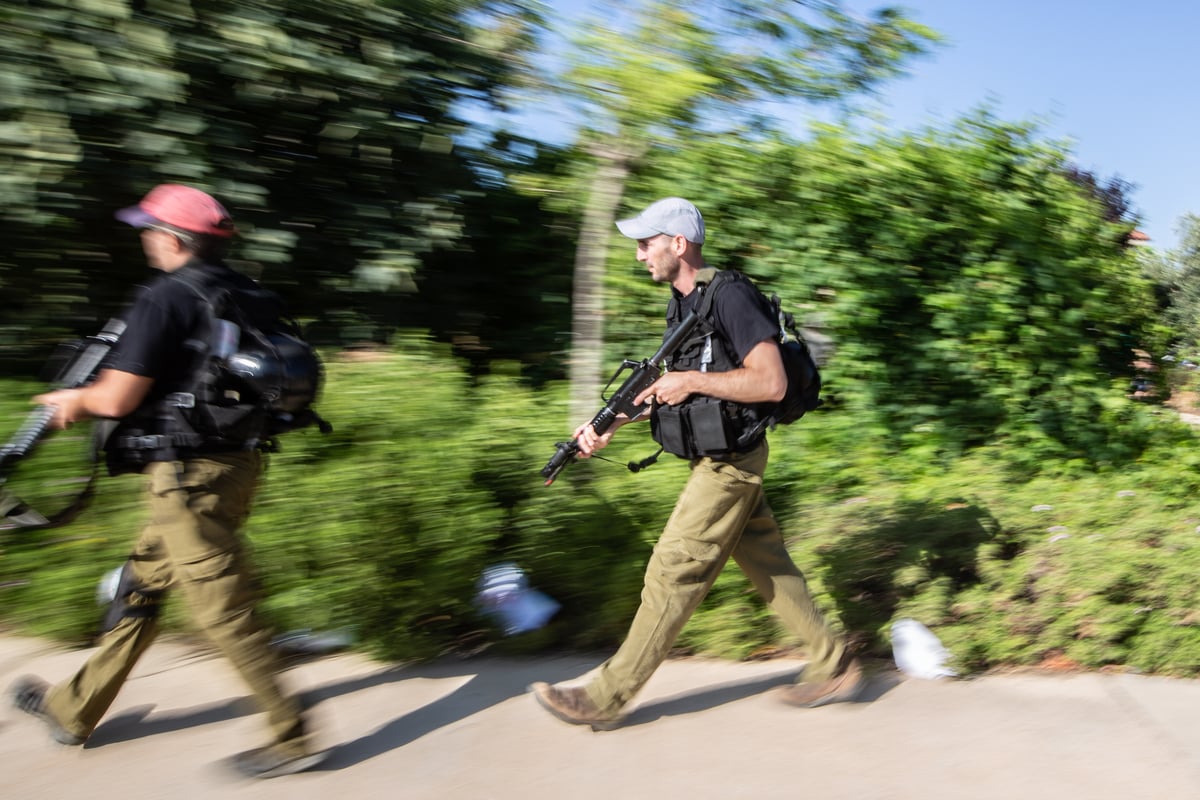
{"points": [[918, 652], [504, 593]]}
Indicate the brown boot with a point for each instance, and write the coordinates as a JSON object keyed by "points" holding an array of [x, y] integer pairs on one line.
{"points": [[572, 705], [842, 687]]}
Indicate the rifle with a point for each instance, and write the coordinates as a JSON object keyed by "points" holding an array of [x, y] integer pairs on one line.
{"points": [[642, 375], [81, 362]]}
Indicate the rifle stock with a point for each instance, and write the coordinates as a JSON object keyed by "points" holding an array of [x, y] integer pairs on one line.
{"points": [[642, 375]]}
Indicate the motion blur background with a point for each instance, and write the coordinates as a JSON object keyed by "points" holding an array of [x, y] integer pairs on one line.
{"points": [[983, 461]]}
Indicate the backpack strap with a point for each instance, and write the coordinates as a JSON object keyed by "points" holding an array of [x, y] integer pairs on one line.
{"points": [[191, 410], [707, 281], [209, 289]]}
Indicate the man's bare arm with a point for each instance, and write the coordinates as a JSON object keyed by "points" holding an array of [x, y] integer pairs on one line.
{"points": [[760, 379], [114, 394]]}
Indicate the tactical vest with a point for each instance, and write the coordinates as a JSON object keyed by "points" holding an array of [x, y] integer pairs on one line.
{"points": [[703, 425], [251, 378]]}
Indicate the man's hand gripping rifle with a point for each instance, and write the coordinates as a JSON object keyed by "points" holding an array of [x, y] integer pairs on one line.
{"points": [[78, 369], [642, 375]]}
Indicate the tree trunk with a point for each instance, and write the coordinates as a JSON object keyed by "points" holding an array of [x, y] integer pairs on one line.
{"points": [[587, 300]]}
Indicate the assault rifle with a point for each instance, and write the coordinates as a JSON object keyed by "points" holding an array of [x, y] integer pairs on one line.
{"points": [[642, 375], [80, 362]]}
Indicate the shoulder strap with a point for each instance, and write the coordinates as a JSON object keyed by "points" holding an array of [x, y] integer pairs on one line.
{"points": [[208, 288], [709, 280]]}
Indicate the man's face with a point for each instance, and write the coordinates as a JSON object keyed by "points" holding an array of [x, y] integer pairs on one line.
{"points": [[661, 257], [163, 251]]}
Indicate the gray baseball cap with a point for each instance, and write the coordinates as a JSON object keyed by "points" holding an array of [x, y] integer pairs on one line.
{"points": [[673, 216]]}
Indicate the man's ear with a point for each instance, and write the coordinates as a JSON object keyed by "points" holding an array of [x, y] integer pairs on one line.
{"points": [[679, 244]]}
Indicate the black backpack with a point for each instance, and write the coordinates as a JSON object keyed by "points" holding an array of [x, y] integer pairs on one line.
{"points": [[254, 377], [254, 361], [803, 375]]}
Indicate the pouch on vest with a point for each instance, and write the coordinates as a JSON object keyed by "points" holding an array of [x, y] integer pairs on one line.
{"points": [[703, 426], [666, 428]]}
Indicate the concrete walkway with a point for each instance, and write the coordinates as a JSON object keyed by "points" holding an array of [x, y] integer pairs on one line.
{"points": [[701, 729]]}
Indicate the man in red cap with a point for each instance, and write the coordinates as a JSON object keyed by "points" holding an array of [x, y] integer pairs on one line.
{"points": [[199, 493]]}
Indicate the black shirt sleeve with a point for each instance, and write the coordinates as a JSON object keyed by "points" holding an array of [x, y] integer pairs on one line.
{"points": [[157, 326], [745, 316]]}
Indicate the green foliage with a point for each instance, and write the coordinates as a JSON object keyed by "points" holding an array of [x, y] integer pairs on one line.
{"points": [[973, 292], [327, 128], [648, 75], [384, 526], [503, 293], [1176, 276], [665, 64]]}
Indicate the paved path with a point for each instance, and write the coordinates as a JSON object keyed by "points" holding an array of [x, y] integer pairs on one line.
{"points": [[701, 729]]}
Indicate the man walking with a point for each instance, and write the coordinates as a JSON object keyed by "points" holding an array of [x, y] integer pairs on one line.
{"points": [[198, 493], [722, 511]]}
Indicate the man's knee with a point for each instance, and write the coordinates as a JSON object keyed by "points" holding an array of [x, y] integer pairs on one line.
{"points": [[686, 562]]}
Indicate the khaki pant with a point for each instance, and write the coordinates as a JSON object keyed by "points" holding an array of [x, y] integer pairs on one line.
{"points": [[721, 513], [190, 543]]}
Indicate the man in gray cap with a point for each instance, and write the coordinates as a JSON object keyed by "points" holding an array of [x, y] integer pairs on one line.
{"points": [[703, 409]]}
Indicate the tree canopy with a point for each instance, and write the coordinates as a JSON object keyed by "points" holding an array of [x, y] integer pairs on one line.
{"points": [[973, 289], [328, 129], [663, 67]]}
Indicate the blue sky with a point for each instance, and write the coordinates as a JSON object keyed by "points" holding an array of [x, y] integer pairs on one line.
{"points": [[1115, 79], [1118, 79]]}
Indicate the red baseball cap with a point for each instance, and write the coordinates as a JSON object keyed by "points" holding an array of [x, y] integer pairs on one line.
{"points": [[180, 207]]}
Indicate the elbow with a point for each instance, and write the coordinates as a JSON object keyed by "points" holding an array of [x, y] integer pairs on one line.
{"points": [[773, 387], [111, 405], [115, 394], [111, 409]]}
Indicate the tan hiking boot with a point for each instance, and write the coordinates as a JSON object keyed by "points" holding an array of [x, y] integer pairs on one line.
{"points": [[572, 705], [840, 688]]}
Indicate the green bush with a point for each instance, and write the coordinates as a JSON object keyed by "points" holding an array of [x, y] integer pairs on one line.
{"points": [[384, 526]]}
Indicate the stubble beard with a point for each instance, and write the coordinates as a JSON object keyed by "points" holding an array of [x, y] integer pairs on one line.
{"points": [[667, 273]]}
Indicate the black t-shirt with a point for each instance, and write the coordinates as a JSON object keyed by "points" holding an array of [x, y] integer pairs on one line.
{"points": [[160, 325], [741, 314]]}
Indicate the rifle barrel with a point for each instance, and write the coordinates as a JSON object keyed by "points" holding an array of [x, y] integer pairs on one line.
{"points": [[83, 369], [676, 339]]}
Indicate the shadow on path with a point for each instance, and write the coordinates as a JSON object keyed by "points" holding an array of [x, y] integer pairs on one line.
{"points": [[490, 683], [485, 688], [877, 686]]}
